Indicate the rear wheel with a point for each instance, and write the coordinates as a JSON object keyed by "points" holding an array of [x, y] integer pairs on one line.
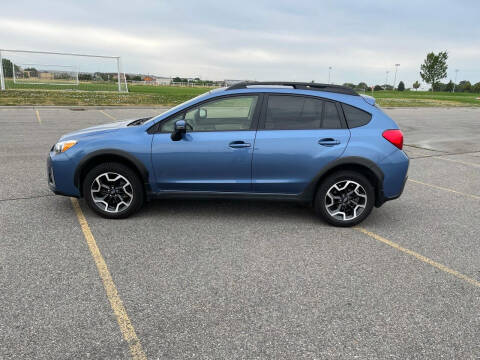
{"points": [[113, 190], [345, 198]]}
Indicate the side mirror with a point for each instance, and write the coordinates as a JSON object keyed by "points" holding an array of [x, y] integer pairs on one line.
{"points": [[180, 128]]}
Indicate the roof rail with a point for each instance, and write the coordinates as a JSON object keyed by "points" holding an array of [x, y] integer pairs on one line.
{"points": [[296, 85]]}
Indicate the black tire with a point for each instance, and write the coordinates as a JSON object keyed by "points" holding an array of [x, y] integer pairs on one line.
{"points": [[136, 189], [344, 175]]}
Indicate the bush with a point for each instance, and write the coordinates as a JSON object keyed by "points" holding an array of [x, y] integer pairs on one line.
{"points": [[401, 86], [377, 88]]}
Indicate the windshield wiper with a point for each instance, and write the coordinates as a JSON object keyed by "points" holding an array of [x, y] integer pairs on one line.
{"points": [[139, 121]]}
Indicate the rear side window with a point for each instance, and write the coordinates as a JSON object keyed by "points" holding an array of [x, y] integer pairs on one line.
{"points": [[331, 120], [355, 117], [300, 113]]}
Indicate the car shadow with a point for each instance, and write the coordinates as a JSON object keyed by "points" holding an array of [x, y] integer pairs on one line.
{"points": [[231, 209]]}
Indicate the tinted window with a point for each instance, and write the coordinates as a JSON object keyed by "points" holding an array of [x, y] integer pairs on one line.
{"points": [[331, 119], [232, 113], [355, 117], [293, 113]]}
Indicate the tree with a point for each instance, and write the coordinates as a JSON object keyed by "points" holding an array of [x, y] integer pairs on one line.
{"points": [[8, 67], [377, 88], [362, 85], [464, 85], [401, 86], [449, 86], [416, 85], [476, 87], [349, 85], [84, 77], [439, 86], [434, 68]]}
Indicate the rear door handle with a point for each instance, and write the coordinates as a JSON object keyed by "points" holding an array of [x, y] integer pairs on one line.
{"points": [[239, 144], [328, 142]]}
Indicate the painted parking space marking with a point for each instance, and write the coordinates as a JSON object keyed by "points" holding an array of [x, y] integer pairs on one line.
{"points": [[420, 257], [116, 302], [107, 115], [39, 119], [457, 161], [445, 189]]}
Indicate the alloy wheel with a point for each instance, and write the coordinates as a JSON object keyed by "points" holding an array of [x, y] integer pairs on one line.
{"points": [[111, 192], [345, 200]]}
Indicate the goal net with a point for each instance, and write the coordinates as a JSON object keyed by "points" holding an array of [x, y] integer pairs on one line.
{"points": [[33, 70]]}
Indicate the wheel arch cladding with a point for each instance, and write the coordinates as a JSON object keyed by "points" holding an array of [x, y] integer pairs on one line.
{"points": [[364, 166], [103, 156]]}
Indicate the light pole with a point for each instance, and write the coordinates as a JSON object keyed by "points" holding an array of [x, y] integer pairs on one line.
{"points": [[329, 70], [386, 80], [456, 73], [395, 79]]}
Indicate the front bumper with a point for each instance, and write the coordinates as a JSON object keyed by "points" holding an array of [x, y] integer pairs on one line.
{"points": [[60, 175]]}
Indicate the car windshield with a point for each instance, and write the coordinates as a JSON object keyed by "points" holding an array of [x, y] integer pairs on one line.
{"points": [[185, 103]]}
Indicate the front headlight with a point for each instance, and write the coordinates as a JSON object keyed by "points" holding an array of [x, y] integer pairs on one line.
{"points": [[63, 146]]}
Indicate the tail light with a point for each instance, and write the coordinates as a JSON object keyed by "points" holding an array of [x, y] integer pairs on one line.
{"points": [[395, 137]]}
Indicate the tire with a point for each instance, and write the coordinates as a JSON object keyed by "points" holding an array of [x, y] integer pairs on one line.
{"points": [[344, 198], [121, 187]]}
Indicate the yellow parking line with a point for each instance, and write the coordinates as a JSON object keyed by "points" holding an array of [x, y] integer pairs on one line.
{"points": [[420, 257], [116, 303], [38, 116], [445, 189], [107, 115], [457, 161]]}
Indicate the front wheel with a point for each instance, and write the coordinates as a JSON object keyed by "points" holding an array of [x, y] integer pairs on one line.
{"points": [[345, 198], [113, 190]]}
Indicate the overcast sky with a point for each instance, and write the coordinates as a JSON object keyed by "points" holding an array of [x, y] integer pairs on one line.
{"points": [[262, 40]]}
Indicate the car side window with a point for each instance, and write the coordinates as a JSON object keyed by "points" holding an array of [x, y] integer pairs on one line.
{"points": [[355, 117], [293, 113], [226, 114], [331, 119]]}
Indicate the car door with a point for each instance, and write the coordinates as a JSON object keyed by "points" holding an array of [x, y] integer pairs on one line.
{"points": [[297, 137], [215, 153]]}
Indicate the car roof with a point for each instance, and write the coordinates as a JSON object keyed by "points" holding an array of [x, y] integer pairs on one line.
{"points": [[295, 85], [350, 99]]}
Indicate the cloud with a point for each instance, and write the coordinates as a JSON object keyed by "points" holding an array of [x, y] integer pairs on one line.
{"points": [[274, 40]]}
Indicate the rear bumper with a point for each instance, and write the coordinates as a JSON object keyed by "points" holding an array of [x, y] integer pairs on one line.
{"points": [[381, 198], [395, 169]]}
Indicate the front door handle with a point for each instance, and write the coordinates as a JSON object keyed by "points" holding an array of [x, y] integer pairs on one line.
{"points": [[328, 142], [239, 144]]}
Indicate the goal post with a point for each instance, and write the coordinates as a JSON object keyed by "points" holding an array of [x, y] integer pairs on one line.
{"points": [[46, 70]]}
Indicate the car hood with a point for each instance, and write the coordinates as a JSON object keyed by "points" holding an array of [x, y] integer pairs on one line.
{"points": [[95, 130]]}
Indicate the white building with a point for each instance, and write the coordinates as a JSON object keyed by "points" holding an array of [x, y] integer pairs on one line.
{"points": [[162, 80]]}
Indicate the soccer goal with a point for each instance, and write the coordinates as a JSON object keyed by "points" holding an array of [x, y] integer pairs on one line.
{"points": [[41, 70]]}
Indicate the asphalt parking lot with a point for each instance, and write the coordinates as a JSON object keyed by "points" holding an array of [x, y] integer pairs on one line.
{"points": [[238, 279]]}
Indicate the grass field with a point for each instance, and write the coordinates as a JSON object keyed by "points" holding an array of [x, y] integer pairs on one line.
{"points": [[27, 94], [164, 95], [424, 98]]}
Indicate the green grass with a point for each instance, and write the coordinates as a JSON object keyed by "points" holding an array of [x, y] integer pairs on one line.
{"points": [[159, 96], [89, 94], [424, 98], [83, 86]]}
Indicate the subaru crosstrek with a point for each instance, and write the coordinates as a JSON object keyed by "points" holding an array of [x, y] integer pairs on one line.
{"points": [[320, 144]]}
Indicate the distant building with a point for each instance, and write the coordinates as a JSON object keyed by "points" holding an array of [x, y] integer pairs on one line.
{"points": [[45, 75], [163, 80]]}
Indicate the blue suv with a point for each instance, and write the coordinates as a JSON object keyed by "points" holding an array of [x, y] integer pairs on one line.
{"points": [[316, 143]]}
